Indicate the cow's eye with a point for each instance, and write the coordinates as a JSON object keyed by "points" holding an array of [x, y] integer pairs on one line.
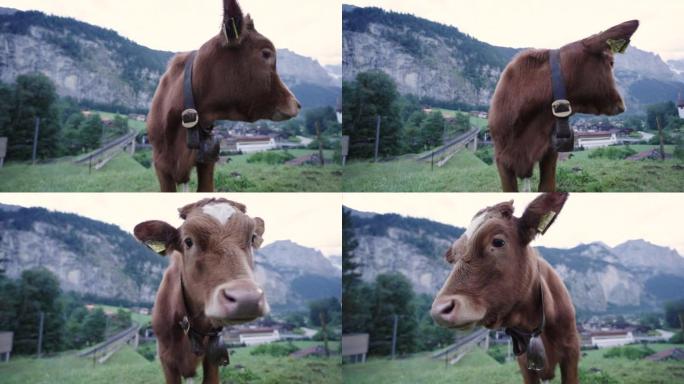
{"points": [[498, 243], [188, 242], [266, 54]]}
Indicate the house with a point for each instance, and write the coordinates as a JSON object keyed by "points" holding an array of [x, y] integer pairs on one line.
{"points": [[614, 338], [251, 336], [668, 354], [251, 144], [595, 139], [6, 341]]}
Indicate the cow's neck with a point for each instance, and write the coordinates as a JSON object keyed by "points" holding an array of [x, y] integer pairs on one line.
{"points": [[526, 315], [209, 107]]}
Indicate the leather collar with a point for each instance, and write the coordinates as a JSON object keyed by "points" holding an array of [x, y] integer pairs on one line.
{"points": [[562, 138], [521, 338], [214, 347]]}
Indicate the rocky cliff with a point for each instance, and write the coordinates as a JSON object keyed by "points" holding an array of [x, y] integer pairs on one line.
{"points": [[94, 64], [91, 257], [438, 62], [635, 274]]}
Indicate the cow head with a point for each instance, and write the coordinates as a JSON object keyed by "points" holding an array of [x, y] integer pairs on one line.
{"points": [[244, 79], [492, 266], [588, 70], [216, 243]]}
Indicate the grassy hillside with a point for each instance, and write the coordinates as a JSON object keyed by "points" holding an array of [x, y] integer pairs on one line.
{"points": [[127, 366], [124, 174], [479, 368], [467, 173]]}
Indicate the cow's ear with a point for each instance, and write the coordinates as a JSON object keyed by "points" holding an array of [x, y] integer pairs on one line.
{"points": [[505, 209], [540, 214], [159, 236], [616, 38], [234, 22], [449, 255], [259, 228]]}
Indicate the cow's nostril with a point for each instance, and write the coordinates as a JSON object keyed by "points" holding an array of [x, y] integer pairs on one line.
{"points": [[446, 309], [229, 297]]}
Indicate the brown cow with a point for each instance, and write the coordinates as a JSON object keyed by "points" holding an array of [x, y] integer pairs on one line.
{"points": [[520, 117], [233, 78], [208, 284], [498, 280]]}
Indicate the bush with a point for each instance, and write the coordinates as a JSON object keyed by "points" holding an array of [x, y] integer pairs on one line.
{"points": [[677, 338], [274, 349], [486, 154], [148, 350], [144, 158], [498, 353], [599, 377], [612, 153], [629, 352], [271, 158]]}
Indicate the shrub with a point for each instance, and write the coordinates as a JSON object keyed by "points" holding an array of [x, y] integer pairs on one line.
{"points": [[599, 377], [274, 349], [144, 158], [486, 154], [629, 352], [677, 338], [271, 158], [612, 153]]}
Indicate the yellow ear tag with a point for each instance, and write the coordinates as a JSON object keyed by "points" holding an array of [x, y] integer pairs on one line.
{"points": [[157, 246], [545, 222], [618, 46]]}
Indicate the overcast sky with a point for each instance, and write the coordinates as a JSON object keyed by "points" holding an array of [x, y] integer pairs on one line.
{"points": [[551, 24], [312, 219], [586, 217], [309, 27]]}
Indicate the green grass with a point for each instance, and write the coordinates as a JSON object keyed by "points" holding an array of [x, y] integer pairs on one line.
{"points": [[124, 174], [127, 366], [479, 368], [467, 173], [138, 126]]}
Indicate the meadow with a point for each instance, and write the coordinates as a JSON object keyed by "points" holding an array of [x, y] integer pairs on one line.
{"points": [[127, 366], [124, 174], [465, 172], [478, 367]]}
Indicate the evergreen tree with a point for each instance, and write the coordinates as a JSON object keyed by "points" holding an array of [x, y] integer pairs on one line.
{"points": [[95, 326], [392, 295], [370, 95], [74, 332], [432, 129], [355, 293], [72, 142], [90, 132], [411, 135], [34, 96], [38, 292]]}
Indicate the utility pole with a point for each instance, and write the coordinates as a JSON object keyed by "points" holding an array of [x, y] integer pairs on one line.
{"points": [[660, 132], [394, 336], [40, 334], [35, 139], [320, 143], [377, 137], [324, 327]]}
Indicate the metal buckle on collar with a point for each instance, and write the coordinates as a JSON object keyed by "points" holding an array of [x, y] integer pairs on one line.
{"points": [[561, 108], [190, 118], [185, 324]]}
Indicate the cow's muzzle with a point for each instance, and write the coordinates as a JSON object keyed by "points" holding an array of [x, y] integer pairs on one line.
{"points": [[455, 311], [237, 301]]}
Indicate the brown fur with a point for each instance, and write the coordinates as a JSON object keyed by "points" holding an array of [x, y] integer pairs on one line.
{"points": [[234, 80], [219, 253], [520, 117], [505, 281]]}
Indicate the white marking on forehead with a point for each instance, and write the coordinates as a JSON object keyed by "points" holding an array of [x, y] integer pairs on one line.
{"points": [[221, 211], [475, 224]]}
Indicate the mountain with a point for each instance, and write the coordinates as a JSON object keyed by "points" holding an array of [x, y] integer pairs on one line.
{"points": [[425, 58], [677, 66], [439, 63], [99, 259], [292, 275], [336, 261], [88, 256], [635, 274], [99, 66]]}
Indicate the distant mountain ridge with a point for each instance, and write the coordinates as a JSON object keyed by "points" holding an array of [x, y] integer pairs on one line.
{"points": [[99, 259], [91, 63], [438, 62], [635, 274]]}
